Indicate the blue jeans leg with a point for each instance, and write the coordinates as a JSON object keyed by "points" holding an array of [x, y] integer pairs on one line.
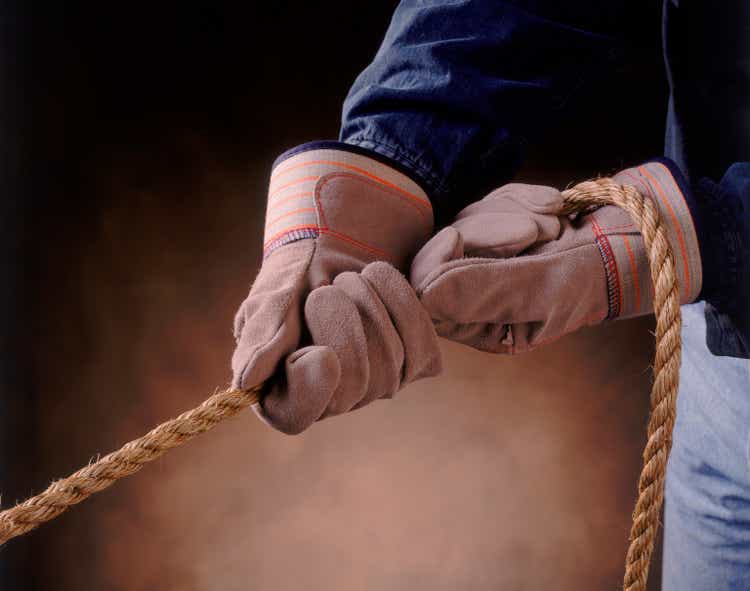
{"points": [[707, 509]]}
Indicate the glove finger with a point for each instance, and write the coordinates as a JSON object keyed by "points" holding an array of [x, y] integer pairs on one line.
{"points": [[544, 205], [420, 345], [498, 201], [497, 235], [385, 352], [312, 374], [517, 198], [445, 246], [538, 199], [540, 203], [334, 321]]}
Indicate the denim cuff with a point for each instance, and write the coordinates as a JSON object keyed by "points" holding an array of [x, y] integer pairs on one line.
{"points": [[720, 245], [717, 231], [722, 240]]}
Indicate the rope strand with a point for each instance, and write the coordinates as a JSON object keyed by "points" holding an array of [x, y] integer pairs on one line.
{"points": [[129, 459], [64, 493]]}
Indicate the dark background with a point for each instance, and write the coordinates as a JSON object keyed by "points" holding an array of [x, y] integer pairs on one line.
{"points": [[137, 141]]}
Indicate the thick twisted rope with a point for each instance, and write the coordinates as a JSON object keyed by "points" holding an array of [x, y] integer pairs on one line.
{"points": [[647, 510], [131, 457]]}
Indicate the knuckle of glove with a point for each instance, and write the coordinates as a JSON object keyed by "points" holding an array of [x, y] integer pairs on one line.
{"points": [[539, 199], [311, 374], [412, 322], [370, 336]]}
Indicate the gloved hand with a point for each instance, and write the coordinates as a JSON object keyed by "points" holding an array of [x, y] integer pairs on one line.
{"points": [[332, 209], [511, 274]]}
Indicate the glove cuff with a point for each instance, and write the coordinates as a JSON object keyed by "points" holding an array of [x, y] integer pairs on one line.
{"points": [[662, 181], [346, 193]]}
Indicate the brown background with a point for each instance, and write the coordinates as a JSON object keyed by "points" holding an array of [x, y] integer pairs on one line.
{"points": [[150, 140]]}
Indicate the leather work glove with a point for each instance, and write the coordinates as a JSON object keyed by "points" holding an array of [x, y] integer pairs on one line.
{"points": [[510, 274], [349, 330]]}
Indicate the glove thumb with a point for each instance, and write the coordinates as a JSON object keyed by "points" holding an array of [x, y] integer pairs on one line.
{"points": [[312, 375], [445, 246]]}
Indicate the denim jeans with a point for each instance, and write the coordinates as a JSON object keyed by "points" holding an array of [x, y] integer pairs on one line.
{"points": [[707, 507]]}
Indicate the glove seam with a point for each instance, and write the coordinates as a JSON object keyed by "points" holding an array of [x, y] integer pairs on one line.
{"points": [[611, 272]]}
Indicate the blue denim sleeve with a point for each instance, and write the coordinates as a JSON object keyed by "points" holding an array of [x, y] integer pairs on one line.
{"points": [[726, 261], [457, 88]]}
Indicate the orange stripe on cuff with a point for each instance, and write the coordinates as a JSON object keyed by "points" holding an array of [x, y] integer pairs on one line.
{"points": [[417, 198], [634, 269], [277, 190], [287, 214], [274, 205]]}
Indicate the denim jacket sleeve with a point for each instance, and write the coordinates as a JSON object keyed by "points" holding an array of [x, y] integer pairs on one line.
{"points": [[457, 87]]}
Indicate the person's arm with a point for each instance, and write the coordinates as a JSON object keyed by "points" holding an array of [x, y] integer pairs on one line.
{"points": [[457, 88], [446, 106], [708, 136]]}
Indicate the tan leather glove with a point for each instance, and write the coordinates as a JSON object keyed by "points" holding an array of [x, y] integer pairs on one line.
{"points": [[510, 274], [348, 333]]}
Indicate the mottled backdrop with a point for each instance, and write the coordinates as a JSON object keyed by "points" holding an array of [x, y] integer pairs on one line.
{"points": [[148, 135]]}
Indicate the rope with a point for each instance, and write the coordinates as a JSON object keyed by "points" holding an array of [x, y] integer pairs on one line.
{"points": [[644, 213], [131, 457]]}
